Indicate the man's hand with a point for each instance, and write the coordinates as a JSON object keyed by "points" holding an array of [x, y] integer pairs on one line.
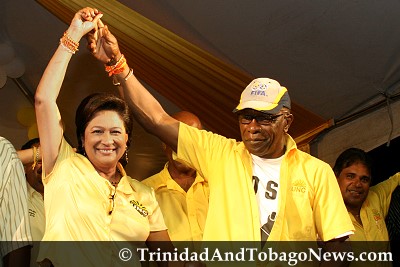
{"points": [[103, 44]]}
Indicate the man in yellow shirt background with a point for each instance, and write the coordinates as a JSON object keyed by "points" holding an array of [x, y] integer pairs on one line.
{"points": [[367, 205], [181, 192]]}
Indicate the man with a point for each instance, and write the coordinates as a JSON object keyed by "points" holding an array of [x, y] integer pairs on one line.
{"points": [[13, 209], [181, 193], [263, 181], [367, 206], [33, 173]]}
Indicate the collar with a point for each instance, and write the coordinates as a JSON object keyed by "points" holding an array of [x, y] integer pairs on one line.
{"points": [[290, 146], [164, 179], [124, 184]]}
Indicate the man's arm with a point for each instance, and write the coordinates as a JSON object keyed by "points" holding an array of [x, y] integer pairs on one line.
{"points": [[337, 245], [146, 109]]}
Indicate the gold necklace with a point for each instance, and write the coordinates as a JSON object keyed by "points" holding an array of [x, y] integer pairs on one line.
{"points": [[115, 183]]}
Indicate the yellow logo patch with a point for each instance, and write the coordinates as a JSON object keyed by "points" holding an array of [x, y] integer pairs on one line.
{"points": [[299, 186], [139, 207]]}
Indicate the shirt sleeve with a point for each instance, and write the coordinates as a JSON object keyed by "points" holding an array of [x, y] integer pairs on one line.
{"points": [[156, 219], [65, 152], [384, 191]]}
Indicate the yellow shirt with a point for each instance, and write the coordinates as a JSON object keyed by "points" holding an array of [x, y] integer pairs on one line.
{"points": [[374, 210], [310, 201], [36, 219], [373, 213], [184, 212], [78, 202]]}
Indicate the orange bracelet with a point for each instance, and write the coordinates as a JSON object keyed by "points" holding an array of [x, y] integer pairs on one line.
{"points": [[118, 67], [68, 44]]}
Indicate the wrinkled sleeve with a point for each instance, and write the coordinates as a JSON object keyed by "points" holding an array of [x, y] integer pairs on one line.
{"points": [[384, 191]]}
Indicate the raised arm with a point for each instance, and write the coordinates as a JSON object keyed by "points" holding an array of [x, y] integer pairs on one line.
{"points": [[47, 112], [147, 110]]}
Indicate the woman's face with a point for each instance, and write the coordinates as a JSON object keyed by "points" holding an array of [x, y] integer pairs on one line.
{"points": [[105, 139]]}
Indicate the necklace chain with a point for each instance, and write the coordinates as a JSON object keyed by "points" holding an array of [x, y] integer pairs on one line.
{"points": [[115, 183]]}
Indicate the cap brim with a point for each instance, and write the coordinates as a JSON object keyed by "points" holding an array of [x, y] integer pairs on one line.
{"points": [[259, 106]]}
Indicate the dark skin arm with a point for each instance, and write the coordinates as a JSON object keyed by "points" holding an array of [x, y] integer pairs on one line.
{"points": [[146, 109], [338, 245]]}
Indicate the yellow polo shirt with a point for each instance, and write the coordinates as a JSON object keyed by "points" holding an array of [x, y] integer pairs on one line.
{"points": [[184, 212], [309, 203], [374, 210], [373, 213], [78, 202]]}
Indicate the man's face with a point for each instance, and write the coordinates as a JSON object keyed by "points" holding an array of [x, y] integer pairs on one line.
{"points": [[34, 176], [354, 182], [264, 134]]}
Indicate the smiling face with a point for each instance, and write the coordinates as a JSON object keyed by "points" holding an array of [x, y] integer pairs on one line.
{"points": [[105, 139], [265, 141], [354, 182]]}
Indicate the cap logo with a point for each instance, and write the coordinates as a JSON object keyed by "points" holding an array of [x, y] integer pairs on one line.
{"points": [[258, 88]]}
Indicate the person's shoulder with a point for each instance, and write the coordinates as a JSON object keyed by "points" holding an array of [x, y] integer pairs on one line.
{"points": [[5, 143], [395, 176], [137, 185], [152, 180], [306, 157], [190, 130], [155, 181], [8, 153]]}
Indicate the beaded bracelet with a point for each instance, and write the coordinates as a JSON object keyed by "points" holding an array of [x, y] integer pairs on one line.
{"points": [[68, 44], [118, 67]]}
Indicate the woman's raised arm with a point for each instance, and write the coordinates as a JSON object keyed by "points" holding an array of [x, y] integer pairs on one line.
{"points": [[47, 112]]}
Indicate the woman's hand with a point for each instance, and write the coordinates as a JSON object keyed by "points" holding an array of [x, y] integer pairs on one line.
{"points": [[83, 22]]}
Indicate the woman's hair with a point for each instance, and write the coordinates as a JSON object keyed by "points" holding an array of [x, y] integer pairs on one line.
{"points": [[351, 156], [95, 103]]}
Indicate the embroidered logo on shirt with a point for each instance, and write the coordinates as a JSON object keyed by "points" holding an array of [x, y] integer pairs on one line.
{"points": [[32, 212], [139, 207], [299, 186], [377, 218], [377, 215]]}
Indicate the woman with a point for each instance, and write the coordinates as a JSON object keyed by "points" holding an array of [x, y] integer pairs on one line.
{"points": [[88, 196]]}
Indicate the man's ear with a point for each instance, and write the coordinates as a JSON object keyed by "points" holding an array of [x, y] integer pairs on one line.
{"points": [[289, 119]]}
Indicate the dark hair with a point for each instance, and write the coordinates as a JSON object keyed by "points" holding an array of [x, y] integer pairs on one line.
{"points": [[351, 156], [30, 143], [95, 103]]}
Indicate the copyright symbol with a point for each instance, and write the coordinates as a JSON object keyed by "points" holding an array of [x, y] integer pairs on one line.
{"points": [[125, 254]]}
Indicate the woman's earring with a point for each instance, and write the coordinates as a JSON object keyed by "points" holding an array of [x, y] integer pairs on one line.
{"points": [[126, 154]]}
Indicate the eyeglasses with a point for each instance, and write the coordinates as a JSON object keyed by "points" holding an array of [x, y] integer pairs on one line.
{"points": [[111, 197], [263, 120]]}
